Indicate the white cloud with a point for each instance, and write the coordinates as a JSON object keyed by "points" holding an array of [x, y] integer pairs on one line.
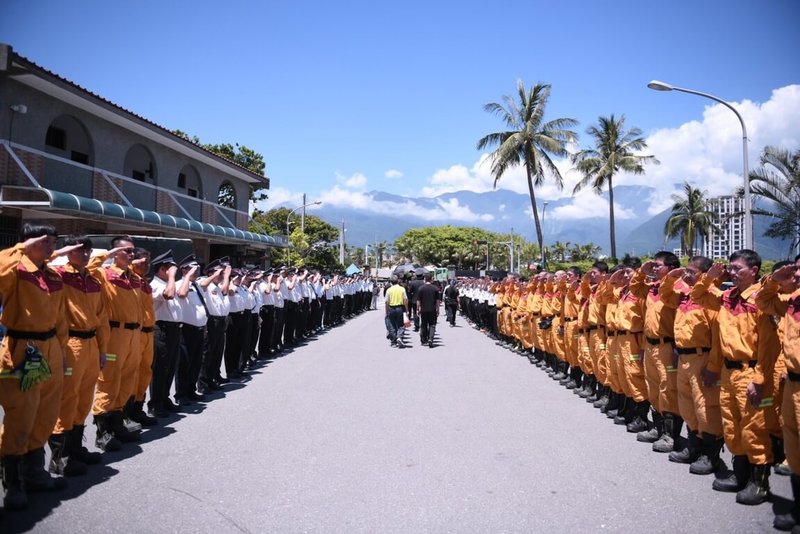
{"points": [[501, 207], [393, 173], [586, 205], [356, 181], [279, 196], [708, 153], [443, 211]]}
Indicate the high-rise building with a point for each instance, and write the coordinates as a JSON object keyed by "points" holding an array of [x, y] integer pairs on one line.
{"points": [[730, 222]]}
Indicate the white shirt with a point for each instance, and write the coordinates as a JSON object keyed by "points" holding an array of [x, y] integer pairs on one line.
{"points": [[166, 309], [216, 302], [192, 309]]}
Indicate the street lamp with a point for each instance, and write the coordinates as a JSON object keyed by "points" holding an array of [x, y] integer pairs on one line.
{"points": [[748, 220], [544, 209], [288, 239]]}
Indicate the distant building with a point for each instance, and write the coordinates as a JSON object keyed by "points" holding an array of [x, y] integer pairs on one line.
{"points": [[730, 221]]}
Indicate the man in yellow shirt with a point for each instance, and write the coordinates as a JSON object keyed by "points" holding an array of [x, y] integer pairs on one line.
{"points": [[396, 306]]}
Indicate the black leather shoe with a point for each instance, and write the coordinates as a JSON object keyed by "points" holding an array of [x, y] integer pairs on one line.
{"points": [[171, 406]]}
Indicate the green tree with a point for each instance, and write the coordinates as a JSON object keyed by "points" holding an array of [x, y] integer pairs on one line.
{"points": [[240, 155], [616, 149], [317, 246], [690, 218], [778, 180], [529, 141], [444, 245]]}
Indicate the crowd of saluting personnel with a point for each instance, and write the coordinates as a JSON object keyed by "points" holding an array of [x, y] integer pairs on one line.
{"points": [[133, 339], [656, 346]]}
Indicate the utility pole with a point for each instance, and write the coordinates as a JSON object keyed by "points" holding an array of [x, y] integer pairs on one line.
{"points": [[303, 216], [341, 244]]}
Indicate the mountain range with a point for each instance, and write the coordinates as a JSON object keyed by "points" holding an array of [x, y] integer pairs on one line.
{"points": [[504, 211]]}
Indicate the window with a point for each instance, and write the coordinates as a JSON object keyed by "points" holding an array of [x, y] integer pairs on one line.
{"points": [[56, 138], [182, 181], [192, 192], [80, 157], [137, 175]]}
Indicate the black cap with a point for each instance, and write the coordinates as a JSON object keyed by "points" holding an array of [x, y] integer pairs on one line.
{"points": [[189, 262], [214, 265], [162, 259]]}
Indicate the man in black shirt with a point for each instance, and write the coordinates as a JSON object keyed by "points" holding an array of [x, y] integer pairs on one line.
{"points": [[413, 288], [428, 299], [451, 302]]}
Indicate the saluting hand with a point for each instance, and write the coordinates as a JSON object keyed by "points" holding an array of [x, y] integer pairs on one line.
{"points": [[676, 273], [716, 270], [784, 274], [63, 251], [114, 251]]}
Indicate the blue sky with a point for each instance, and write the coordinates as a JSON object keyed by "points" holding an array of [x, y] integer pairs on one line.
{"points": [[343, 98]]}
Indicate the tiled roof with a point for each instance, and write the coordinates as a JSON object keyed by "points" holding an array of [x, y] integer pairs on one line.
{"points": [[29, 63]]}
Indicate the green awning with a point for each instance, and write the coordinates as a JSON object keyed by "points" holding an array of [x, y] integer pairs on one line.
{"points": [[49, 200]]}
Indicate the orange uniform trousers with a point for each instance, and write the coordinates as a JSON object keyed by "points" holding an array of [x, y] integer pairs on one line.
{"points": [[790, 411], [571, 343], [82, 359], [123, 347], [662, 377], [597, 349], [145, 364], [584, 354], [29, 416], [635, 385], [612, 354], [697, 404], [744, 426]]}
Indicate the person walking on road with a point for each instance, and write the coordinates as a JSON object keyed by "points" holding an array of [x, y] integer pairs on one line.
{"points": [[396, 305], [451, 302], [428, 300]]}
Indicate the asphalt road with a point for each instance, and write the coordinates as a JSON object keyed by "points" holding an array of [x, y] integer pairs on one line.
{"points": [[347, 434]]}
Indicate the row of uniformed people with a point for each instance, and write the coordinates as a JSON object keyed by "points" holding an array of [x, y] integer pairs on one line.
{"points": [[93, 334], [677, 343]]}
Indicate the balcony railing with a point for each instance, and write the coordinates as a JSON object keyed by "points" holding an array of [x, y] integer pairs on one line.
{"points": [[26, 166]]}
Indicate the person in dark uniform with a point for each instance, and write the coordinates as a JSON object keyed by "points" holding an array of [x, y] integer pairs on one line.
{"points": [[194, 317], [451, 302], [413, 288], [428, 299]]}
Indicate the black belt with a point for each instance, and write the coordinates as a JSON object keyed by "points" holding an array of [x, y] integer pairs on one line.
{"points": [[238, 313], [148, 329], [569, 319], [126, 326], [732, 364], [794, 377], [167, 324], [83, 334], [217, 317], [660, 340], [187, 325], [693, 350], [37, 336], [592, 327]]}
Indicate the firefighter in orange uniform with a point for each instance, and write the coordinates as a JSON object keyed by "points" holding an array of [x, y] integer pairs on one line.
{"points": [[697, 404], [84, 356], [124, 310], [787, 305], [746, 341], [31, 362], [134, 409]]}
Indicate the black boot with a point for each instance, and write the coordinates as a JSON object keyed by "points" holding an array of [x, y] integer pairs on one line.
{"points": [[15, 497], [105, 440], [78, 451], [672, 427], [708, 462], [134, 411], [552, 366], [622, 401], [624, 417], [639, 422], [568, 372], [588, 387], [575, 378], [789, 520], [34, 477], [605, 391], [613, 403], [737, 480], [561, 370], [61, 460], [655, 431], [757, 489], [117, 421], [688, 454]]}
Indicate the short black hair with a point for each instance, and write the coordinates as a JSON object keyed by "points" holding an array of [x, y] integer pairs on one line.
{"points": [[600, 266], [780, 264], [139, 252], [701, 262], [669, 259], [119, 239], [36, 229], [83, 240], [576, 270], [632, 261], [750, 258]]}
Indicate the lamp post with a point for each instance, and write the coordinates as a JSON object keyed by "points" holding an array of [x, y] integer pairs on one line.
{"points": [[288, 239], [748, 219], [544, 209]]}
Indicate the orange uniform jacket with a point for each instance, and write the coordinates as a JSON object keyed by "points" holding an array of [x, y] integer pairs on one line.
{"points": [[787, 306], [659, 321], [86, 308]]}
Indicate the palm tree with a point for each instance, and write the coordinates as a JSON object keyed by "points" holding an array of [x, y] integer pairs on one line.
{"points": [[615, 150], [529, 140], [690, 218], [782, 188]]}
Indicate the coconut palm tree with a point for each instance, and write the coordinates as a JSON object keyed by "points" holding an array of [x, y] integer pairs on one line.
{"points": [[616, 149], [690, 218], [529, 141], [778, 180]]}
